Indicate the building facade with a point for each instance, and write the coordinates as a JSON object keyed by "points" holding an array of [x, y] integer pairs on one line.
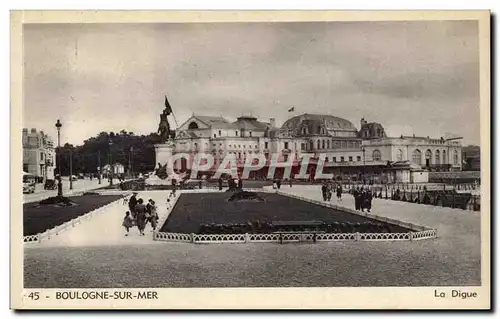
{"points": [[346, 150], [39, 156]]}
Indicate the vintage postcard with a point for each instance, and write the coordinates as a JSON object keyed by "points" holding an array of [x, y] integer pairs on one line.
{"points": [[250, 160]]}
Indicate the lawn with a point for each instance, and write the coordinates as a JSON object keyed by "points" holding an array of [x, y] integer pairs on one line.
{"points": [[39, 219], [195, 209]]}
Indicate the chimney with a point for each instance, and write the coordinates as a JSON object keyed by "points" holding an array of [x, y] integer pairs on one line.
{"points": [[363, 121], [272, 121]]}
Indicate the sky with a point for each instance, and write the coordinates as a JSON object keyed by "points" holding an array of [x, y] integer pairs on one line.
{"points": [[413, 77]]}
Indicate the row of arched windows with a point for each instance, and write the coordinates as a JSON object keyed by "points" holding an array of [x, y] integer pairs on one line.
{"points": [[416, 157]]}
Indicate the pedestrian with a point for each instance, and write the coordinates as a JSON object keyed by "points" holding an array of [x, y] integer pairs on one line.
{"points": [[275, 185], [368, 200], [240, 183], [357, 198], [131, 204], [127, 222], [339, 193], [220, 183], [329, 191], [140, 216], [323, 191], [290, 181], [153, 215], [278, 183]]}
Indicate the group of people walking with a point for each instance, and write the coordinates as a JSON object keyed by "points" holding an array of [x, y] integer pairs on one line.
{"points": [[327, 189], [140, 214], [362, 199]]}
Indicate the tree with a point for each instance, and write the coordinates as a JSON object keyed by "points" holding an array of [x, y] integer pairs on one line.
{"points": [[85, 156]]}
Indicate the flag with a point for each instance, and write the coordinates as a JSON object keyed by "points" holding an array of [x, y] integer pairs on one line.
{"points": [[168, 108], [292, 109]]}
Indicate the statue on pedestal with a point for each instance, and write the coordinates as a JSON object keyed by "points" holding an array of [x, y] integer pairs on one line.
{"points": [[164, 126]]}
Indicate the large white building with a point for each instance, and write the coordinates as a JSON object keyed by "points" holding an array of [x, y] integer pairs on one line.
{"points": [[39, 155], [347, 150]]}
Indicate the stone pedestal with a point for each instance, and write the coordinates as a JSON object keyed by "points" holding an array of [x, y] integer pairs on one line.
{"points": [[163, 153]]}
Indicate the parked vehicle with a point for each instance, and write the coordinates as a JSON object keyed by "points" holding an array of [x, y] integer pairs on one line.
{"points": [[29, 182]]}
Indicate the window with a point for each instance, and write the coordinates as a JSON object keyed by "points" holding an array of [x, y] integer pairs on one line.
{"points": [[445, 160], [220, 133], [455, 157], [25, 167], [323, 144], [266, 144], [195, 146], [326, 159], [358, 158], [302, 146], [428, 157], [350, 158], [399, 155], [285, 157], [416, 157], [41, 156], [334, 159], [286, 145], [215, 135], [328, 144], [319, 145], [311, 145], [343, 144], [437, 157], [342, 158], [250, 133], [256, 146], [376, 155], [236, 133], [214, 145], [304, 130]]}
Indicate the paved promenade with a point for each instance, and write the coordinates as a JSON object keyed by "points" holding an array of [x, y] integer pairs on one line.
{"points": [[97, 254]]}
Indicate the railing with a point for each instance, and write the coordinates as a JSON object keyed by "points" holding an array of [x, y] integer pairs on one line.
{"points": [[416, 232], [292, 237]]}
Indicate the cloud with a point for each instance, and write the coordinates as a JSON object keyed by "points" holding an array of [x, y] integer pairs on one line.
{"points": [[117, 74]]}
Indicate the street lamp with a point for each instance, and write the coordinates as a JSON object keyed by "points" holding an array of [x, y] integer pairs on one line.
{"points": [[99, 168], [70, 169], [110, 143], [130, 162], [59, 184], [364, 182]]}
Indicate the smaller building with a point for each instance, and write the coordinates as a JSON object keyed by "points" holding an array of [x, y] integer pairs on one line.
{"points": [[39, 156]]}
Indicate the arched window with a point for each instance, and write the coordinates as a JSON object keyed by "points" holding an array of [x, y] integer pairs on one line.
{"points": [[323, 144], [437, 156], [376, 155], [428, 157], [196, 146], [193, 126], [445, 160], [399, 155], [311, 145], [455, 157], [416, 157], [318, 143], [304, 130], [328, 144]]}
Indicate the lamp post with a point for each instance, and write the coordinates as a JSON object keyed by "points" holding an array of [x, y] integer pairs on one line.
{"points": [[70, 169], [99, 168], [130, 171], [364, 151], [59, 184], [110, 143]]}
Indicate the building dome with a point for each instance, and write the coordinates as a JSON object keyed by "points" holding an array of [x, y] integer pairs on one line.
{"points": [[307, 124]]}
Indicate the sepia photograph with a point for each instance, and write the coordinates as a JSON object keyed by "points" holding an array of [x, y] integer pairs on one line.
{"points": [[307, 152]]}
